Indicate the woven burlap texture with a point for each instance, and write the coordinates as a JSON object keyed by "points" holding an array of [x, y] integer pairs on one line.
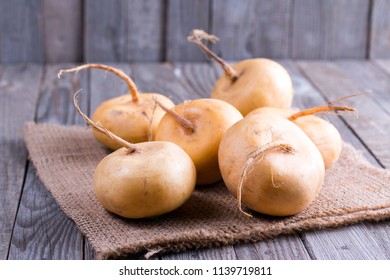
{"points": [[66, 156]]}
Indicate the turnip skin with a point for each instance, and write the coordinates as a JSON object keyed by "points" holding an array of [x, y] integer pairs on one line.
{"points": [[156, 179], [133, 121], [210, 119], [278, 183], [133, 116], [324, 134], [261, 82]]}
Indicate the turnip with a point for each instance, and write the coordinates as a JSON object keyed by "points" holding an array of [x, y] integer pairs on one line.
{"points": [[269, 164], [198, 126], [133, 117], [142, 180], [324, 134], [251, 83]]}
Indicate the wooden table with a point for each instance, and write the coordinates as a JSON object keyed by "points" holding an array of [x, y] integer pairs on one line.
{"points": [[32, 226]]}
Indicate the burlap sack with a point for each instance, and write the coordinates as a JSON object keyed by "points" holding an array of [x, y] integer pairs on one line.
{"points": [[66, 157]]}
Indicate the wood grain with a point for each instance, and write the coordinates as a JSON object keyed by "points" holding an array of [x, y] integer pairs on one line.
{"points": [[371, 79], [42, 230], [384, 64], [372, 120], [251, 28], [19, 89], [330, 29], [146, 31], [345, 242], [285, 247], [63, 30], [219, 253], [21, 31], [105, 30], [380, 29], [183, 16], [105, 85]]}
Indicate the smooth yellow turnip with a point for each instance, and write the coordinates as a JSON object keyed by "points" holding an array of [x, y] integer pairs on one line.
{"points": [[270, 165], [198, 127], [251, 83], [142, 180]]}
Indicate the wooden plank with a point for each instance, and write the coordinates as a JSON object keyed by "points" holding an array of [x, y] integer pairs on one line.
{"points": [[42, 230], [145, 31], [384, 65], [380, 29], [346, 243], [21, 31], [251, 28], [368, 76], [105, 30], [286, 247], [105, 85], [183, 16], [333, 84], [63, 30], [218, 253], [18, 96], [357, 241], [330, 29], [317, 242]]}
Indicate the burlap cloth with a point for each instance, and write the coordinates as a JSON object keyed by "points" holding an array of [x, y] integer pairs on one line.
{"points": [[66, 157]]}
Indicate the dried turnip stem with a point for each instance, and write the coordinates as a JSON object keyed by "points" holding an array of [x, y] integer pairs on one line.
{"points": [[256, 156], [180, 119], [330, 107], [101, 129], [320, 109], [132, 88], [196, 37]]}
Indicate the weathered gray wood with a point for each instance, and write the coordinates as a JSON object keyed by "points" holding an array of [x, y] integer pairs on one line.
{"points": [[18, 96], [251, 28], [42, 230], [380, 29], [63, 30], [56, 98], [306, 95], [286, 247], [347, 243], [384, 64], [333, 84], [218, 253], [371, 79], [330, 29], [357, 241], [21, 31], [105, 30], [145, 34], [381, 233], [105, 85], [183, 16]]}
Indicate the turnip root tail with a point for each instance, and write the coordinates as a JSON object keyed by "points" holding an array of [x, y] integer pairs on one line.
{"points": [[180, 119], [132, 88], [330, 107], [100, 128], [253, 157], [197, 36]]}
